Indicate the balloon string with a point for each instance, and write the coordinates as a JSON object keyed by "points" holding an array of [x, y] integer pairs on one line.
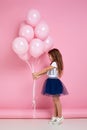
{"points": [[34, 101], [38, 61], [29, 65], [34, 85]]}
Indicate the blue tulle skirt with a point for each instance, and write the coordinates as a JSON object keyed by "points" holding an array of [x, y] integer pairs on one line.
{"points": [[54, 86]]}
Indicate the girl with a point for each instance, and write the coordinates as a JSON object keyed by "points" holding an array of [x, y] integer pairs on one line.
{"points": [[53, 86]]}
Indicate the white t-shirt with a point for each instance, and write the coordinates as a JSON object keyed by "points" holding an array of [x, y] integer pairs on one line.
{"points": [[53, 72]]}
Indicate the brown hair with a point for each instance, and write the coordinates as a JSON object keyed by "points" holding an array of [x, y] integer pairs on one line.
{"points": [[57, 57]]}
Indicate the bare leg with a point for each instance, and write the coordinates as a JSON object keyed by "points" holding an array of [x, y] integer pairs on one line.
{"points": [[57, 106], [57, 117]]}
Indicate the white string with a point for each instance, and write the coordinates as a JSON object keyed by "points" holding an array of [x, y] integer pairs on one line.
{"points": [[29, 65], [34, 85], [38, 61]]}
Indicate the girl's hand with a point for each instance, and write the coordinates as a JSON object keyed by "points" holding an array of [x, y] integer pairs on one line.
{"points": [[35, 76]]}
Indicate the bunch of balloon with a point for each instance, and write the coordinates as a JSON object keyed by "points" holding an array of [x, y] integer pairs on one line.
{"points": [[33, 41]]}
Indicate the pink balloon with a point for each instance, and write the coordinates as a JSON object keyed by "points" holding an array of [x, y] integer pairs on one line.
{"points": [[33, 17], [36, 47], [27, 32], [42, 30], [48, 43], [20, 45], [24, 57]]}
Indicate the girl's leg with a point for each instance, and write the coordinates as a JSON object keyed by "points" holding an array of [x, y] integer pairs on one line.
{"points": [[57, 118], [59, 106], [55, 108], [54, 117]]}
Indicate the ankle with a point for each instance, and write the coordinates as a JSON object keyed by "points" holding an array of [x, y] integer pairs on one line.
{"points": [[59, 116], [54, 117]]}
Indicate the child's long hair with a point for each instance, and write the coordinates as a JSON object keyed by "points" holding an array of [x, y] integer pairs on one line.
{"points": [[57, 57]]}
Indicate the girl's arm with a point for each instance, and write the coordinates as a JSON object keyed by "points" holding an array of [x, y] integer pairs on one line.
{"points": [[43, 71]]}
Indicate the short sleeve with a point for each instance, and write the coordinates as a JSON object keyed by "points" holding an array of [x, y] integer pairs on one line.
{"points": [[54, 64]]}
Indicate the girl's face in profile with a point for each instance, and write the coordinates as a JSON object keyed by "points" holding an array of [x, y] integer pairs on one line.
{"points": [[50, 57]]}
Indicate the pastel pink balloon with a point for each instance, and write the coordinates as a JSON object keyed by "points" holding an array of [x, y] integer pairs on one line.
{"points": [[36, 47], [42, 30], [33, 17], [48, 43], [24, 57], [27, 32], [20, 45]]}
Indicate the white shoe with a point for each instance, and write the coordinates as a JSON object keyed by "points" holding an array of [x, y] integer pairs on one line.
{"points": [[59, 120], [53, 120]]}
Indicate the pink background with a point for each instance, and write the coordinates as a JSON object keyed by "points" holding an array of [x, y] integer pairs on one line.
{"points": [[67, 20]]}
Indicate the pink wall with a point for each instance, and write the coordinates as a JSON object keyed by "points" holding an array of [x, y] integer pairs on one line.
{"points": [[68, 23]]}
